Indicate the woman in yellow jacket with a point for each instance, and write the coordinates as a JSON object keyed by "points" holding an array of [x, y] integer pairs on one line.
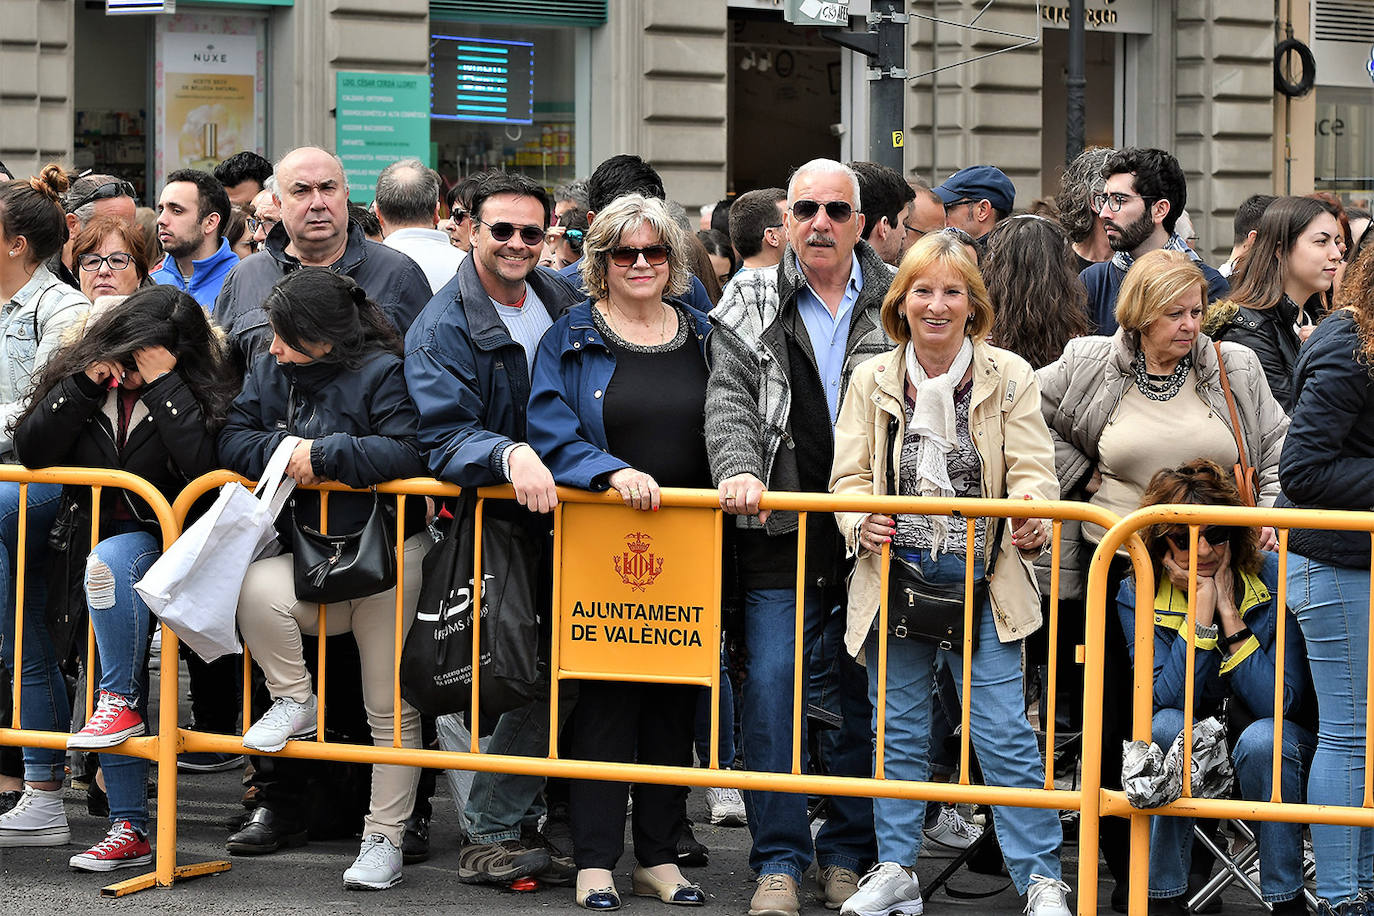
{"points": [[954, 417]]}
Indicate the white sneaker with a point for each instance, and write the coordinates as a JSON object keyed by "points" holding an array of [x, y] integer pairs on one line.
{"points": [[951, 834], [1047, 897], [286, 719], [37, 819], [885, 891], [727, 807], [377, 867]]}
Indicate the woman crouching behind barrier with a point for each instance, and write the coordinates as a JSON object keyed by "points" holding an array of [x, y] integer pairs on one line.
{"points": [[1236, 620], [143, 391], [333, 377], [956, 417]]}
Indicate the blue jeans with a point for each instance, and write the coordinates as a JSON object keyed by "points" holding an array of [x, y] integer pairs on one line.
{"points": [[1280, 845], [782, 837], [1332, 607], [727, 720], [120, 620], [499, 804], [43, 703], [1002, 737]]}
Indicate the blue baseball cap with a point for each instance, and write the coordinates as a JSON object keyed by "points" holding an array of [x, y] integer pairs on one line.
{"points": [[979, 182]]}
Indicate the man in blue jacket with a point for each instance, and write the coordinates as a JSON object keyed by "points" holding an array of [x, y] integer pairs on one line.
{"points": [[192, 214], [468, 359]]}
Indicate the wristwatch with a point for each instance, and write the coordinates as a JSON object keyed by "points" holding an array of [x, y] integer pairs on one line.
{"points": [[1207, 632]]}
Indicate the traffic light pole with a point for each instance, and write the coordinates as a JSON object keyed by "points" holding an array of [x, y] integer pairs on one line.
{"points": [[884, 44]]}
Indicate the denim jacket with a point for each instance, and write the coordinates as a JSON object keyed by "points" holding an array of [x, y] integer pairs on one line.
{"points": [[572, 370], [32, 325], [1248, 674]]}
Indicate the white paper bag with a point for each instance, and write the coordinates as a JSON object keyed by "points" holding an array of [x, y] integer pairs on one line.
{"points": [[194, 586]]}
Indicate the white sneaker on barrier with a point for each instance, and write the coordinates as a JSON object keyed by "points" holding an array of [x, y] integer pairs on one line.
{"points": [[1047, 897], [37, 819], [888, 889], [286, 719], [727, 807], [377, 867]]}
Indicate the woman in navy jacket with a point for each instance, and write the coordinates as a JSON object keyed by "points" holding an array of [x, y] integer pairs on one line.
{"points": [[618, 400], [333, 377], [1328, 463], [1235, 653]]}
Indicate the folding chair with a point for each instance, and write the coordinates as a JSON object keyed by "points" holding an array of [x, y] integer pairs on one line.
{"points": [[1235, 865]]}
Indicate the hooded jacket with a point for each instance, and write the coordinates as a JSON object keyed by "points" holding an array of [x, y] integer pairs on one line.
{"points": [[392, 280], [207, 275]]}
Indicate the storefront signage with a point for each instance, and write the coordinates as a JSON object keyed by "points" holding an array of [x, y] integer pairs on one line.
{"points": [[481, 79], [1134, 16], [379, 118], [639, 593], [817, 12]]}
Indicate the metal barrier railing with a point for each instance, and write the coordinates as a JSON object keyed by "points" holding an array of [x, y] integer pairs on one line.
{"points": [[1114, 803]]}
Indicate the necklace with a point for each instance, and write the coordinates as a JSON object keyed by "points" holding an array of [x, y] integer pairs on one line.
{"points": [[662, 323], [1160, 387]]}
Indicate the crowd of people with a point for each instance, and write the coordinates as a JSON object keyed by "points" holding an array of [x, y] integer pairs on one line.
{"points": [[856, 332]]}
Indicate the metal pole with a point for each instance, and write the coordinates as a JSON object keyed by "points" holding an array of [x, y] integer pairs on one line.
{"points": [[1074, 116], [887, 85]]}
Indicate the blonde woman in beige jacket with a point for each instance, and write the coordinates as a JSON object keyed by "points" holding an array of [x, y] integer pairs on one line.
{"points": [[956, 417]]}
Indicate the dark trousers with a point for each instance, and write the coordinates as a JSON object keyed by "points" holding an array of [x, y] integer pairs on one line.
{"points": [[1114, 838], [216, 691], [628, 723]]}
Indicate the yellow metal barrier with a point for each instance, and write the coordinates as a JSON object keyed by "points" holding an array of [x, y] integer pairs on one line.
{"points": [[1114, 803]]}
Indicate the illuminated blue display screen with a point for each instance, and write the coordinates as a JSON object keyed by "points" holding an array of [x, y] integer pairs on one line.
{"points": [[481, 79]]}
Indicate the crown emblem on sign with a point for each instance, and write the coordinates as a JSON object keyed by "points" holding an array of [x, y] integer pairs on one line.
{"points": [[637, 566]]}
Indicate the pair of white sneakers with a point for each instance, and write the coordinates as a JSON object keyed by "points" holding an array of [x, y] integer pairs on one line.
{"points": [[890, 889]]}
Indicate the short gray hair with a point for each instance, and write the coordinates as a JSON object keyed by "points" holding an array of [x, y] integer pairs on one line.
{"points": [[824, 167], [575, 191], [407, 193], [84, 186], [1082, 179], [625, 214], [679, 214]]}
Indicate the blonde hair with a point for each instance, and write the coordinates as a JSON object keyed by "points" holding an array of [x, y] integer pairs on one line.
{"points": [[624, 215], [1155, 282], [936, 251]]}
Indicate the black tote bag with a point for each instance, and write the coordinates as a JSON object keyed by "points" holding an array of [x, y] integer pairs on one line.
{"points": [[436, 662]]}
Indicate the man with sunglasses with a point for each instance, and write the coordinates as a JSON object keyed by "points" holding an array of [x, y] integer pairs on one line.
{"points": [[315, 231], [467, 365], [88, 197], [1144, 195], [785, 342], [976, 199]]}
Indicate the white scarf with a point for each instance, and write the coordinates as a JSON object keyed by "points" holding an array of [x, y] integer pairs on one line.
{"points": [[933, 419]]}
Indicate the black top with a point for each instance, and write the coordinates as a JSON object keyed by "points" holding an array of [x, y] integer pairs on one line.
{"points": [[1272, 334], [655, 411], [1328, 453]]}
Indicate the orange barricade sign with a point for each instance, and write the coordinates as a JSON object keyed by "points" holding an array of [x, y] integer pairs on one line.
{"points": [[640, 593]]}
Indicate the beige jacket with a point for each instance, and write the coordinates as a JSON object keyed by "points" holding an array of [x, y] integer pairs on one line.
{"points": [[1017, 456]]}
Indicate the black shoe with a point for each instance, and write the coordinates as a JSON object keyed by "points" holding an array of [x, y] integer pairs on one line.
{"points": [[266, 831], [1121, 896], [415, 840], [9, 799], [561, 870], [1169, 906], [690, 853], [97, 802], [208, 762], [1295, 907], [557, 832]]}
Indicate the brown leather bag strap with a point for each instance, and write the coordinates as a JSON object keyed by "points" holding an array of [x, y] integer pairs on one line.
{"points": [[1235, 416]]}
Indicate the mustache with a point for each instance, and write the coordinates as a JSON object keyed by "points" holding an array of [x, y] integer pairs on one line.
{"points": [[820, 238]]}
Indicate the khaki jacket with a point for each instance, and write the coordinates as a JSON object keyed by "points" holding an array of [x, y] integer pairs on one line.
{"points": [[1013, 443]]}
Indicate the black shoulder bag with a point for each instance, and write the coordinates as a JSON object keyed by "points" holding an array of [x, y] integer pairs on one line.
{"points": [[931, 611]]}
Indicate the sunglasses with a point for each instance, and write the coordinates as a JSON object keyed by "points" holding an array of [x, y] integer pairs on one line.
{"points": [[1216, 535], [839, 211], [572, 235], [502, 232], [109, 189], [91, 262], [654, 255], [458, 215]]}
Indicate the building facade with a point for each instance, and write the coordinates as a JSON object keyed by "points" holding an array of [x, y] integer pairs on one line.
{"points": [[721, 95]]}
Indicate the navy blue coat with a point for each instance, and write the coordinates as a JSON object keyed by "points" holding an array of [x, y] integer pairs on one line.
{"points": [[469, 378], [572, 371], [1104, 280]]}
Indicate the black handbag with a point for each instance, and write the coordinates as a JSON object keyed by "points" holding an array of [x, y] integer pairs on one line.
{"points": [[931, 611], [343, 567]]}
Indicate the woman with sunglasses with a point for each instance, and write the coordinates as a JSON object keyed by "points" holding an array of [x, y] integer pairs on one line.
{"points": [[593, 425], [143, 390], [1235, 644], [1328, 461], [38, 309], [1120, 408], [111, 257]]}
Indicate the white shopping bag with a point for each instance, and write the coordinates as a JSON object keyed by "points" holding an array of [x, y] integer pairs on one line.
{"points": [[194, 586]]}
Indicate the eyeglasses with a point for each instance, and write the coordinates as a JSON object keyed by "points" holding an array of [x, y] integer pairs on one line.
{"points": [[1114, 201], [91, 262], [502, 232], [654, 255], [116, 188], [959, 202], [254, 224], [839, 211], [1216, 535], [572, 235]]}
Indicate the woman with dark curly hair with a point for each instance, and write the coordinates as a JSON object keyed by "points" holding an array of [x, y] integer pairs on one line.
{"points": [[1236, 617], [143, 390], [1037, 298], [1328, 463]]}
